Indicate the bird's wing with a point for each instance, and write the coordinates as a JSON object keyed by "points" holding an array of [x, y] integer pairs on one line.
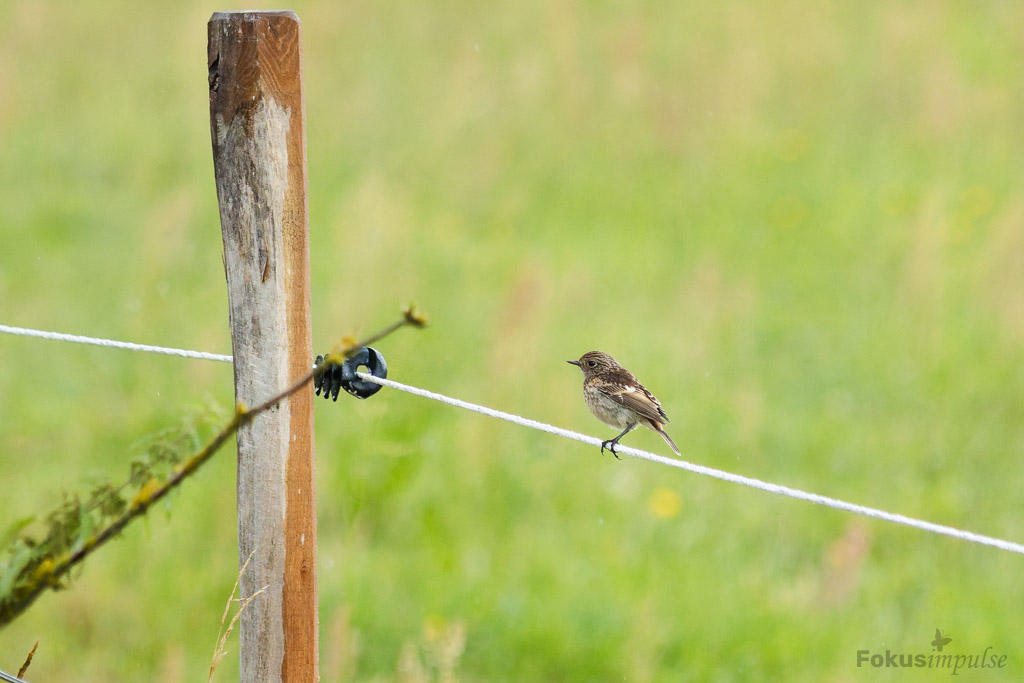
{"points": [[625, 390]]}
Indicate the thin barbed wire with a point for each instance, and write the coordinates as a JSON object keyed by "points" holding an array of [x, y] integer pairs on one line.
{"points": [[750, 482]]}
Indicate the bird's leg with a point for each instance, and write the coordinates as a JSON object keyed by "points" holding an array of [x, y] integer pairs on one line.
{"points": [[610, 444]]}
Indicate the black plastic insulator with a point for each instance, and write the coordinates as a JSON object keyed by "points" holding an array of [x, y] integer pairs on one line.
{"points": [[330, 378]]}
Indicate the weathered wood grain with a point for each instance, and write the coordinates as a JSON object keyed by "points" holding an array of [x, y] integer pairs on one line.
{"points": [[259, 151]]}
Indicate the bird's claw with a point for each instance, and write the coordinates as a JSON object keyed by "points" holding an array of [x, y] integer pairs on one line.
{"points": [[610, 445]]}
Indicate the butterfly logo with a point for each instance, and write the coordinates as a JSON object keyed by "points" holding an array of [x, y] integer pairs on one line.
{"points": [[940, 640]]}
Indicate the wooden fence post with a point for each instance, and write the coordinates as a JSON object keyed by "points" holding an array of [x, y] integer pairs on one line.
{"points": [[259, 153]]}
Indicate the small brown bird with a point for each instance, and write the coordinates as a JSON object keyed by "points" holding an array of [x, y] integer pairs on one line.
{"points": [[616, 398]]}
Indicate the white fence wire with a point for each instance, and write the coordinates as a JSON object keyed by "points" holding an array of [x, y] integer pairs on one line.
{"points": [[768, 487]]}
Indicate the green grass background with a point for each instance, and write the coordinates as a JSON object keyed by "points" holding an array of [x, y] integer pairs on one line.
{"points": [[801, 224]]}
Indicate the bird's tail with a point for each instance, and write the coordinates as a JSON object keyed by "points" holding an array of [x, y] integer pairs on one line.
{"points": [[668, 440]]}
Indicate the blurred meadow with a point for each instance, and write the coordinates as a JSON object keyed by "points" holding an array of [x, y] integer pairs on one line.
{"points": [[800, 224]]}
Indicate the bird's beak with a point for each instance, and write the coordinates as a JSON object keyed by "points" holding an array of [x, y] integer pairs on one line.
{"points": [[574, 362]]}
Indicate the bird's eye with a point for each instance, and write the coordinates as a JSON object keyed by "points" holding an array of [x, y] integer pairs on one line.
{"points": [[592, 363]]}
